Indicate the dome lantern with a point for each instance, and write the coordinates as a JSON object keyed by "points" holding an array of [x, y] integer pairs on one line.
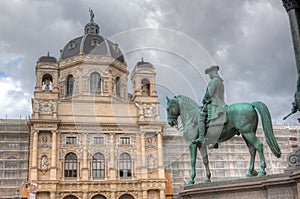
{"points": [[92, 27]]}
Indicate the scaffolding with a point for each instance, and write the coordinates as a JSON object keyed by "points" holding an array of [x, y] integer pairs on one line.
{"points": [[14, 143]]}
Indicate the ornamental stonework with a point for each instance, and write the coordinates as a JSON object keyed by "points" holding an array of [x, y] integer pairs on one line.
{"points": [[147, 110], [151, 142], [44, 140], [290, 4], [64, 151], [42, 107]]}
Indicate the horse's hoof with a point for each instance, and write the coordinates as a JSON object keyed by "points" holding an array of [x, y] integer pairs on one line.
{"points": [[249, 175], [261, 173], [207, 181], [190, 182]]}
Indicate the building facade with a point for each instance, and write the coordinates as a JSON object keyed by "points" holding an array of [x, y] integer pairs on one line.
{"points": [[89, 140], [14, 143]]}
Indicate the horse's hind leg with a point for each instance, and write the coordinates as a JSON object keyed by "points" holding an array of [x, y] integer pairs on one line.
{"points": [[193, 156], [252, 139], [204, 155], [252, 151]]}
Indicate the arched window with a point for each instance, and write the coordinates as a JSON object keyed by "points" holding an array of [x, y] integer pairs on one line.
{"points": [[125, 165], [70, 85], [98, 166], [71, 165], [145, 85], [47, 83], [70, 197], [118, 87], [95, 83], [126, 196], [99, 197]]}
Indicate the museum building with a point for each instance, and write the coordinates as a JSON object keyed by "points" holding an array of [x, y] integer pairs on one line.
{"points": [[89, 139]]}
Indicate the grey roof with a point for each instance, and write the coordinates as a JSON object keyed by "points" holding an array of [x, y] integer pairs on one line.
{"points": [[143, 64], [47, 59], [92, 43]]}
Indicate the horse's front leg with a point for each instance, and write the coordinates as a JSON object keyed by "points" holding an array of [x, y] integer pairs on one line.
{"points": [[193, 155], [204, 155]]}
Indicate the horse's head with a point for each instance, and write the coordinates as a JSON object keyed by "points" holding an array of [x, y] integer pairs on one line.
{"points": [[173, 111]]}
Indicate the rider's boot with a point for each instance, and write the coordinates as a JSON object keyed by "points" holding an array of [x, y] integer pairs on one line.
{"points": [[201, 129], [213, 146]]}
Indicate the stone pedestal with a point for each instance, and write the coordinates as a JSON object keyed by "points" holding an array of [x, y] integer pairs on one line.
{"points": [[286, 185]]}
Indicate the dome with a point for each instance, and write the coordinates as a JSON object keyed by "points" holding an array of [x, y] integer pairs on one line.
{"points": [[47, 58], [92, 43], [142, 64]]}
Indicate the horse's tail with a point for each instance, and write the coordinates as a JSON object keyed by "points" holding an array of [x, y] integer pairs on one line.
{"points": [[267, 127]]}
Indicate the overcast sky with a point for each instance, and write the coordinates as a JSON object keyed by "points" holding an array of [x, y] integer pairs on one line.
{"points": [[249, 39]]}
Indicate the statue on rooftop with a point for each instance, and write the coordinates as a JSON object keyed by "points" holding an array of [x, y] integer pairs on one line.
{"points": [[92, 15]]}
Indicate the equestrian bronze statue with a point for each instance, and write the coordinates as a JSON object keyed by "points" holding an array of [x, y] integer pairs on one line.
{"points": [[215, 122]]}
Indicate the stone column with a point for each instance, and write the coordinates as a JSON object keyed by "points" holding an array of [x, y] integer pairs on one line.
{"points": [[85, 170], [160, 155], [140, 194], [162, 194], [112, 168], [53, 156], [113, 195], [143, 157], [145, 194], [292, 7], [34, 156], [52, 195], [84, 195]]}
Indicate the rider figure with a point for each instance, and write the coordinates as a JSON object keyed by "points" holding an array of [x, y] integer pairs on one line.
{"points": [[213, 102]]}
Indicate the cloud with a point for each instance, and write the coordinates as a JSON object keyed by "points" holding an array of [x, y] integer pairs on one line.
{"points": [[250, 40], [13, 100]]}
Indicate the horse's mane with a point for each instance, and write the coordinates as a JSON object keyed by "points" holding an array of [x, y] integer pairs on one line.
{"points": [[187, 103], [189, 113]]}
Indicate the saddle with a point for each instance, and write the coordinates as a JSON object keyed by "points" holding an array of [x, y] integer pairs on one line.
{"points": [[221, 120], [214, 129]]}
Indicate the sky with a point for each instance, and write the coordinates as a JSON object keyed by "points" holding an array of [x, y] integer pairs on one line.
{"points": [[249, 39]]}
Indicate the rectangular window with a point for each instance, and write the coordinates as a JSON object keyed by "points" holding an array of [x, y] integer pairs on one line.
{"points": [[125, 140], [71, 140], [10, 174], [98, 140]]}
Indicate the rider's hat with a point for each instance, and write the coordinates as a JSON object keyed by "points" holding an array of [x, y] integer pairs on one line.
{"points": [[211, 69]]}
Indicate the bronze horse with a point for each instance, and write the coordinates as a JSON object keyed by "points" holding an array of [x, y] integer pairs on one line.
{"points": [[242, 119]]}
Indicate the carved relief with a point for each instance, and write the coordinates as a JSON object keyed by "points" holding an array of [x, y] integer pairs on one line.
{"points": [[48, 107], [45, 107], [151, 162], [151, 142], [294, 158], [147, 110], [44, 164], [44, 140]]}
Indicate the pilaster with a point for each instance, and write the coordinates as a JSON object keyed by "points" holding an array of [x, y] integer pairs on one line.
{"points": [[85, 170], [160, 155], [53, 169], [143, 157], [112, 168], [34, 156]]}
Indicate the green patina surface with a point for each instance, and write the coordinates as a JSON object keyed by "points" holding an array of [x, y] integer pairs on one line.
{"points": [[218, 124]]}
